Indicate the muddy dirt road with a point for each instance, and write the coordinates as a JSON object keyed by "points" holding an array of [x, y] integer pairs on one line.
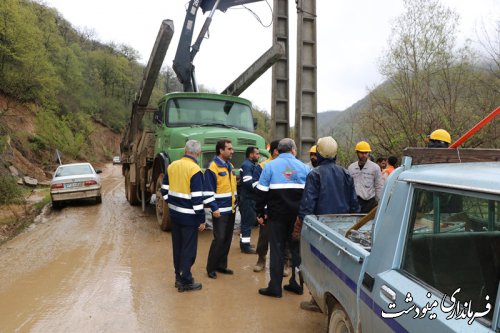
{"points": [[108, 268]]}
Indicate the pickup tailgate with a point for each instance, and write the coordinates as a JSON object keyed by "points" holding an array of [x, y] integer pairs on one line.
{"points": [[331, 263]]}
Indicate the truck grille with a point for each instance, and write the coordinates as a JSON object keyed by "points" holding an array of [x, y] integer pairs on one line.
{"points": [[246, 142], [212, 141]]}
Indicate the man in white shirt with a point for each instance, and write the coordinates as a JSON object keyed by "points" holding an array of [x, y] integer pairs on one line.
{"points": [[368, 180]]}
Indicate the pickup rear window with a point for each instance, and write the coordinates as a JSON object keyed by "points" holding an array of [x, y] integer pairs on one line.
{"points": [[454, 242]]}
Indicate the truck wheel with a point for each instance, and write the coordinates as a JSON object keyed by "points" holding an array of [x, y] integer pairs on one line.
{"points": [[130, 190], [98, 199], [339, 321], [162, 212]]}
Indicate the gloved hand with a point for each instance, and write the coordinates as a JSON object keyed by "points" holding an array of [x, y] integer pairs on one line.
{"points": [[297, 227]]}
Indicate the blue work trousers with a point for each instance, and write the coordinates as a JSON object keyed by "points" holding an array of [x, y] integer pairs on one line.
{"points": [[184, 246], [248, 219]]}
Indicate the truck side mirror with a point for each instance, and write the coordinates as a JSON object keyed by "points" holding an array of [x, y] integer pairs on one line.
{"points": [[157, 117], [254, 123]]}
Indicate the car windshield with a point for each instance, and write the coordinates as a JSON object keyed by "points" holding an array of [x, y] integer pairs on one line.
{"points": [[73, 170], [207, 112]]}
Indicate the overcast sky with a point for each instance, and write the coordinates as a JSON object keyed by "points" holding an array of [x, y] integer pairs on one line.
{"points": [[351, 38]]}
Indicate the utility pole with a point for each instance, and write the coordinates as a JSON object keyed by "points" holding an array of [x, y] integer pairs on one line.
{"points": [[280, 103], [306, 106]]}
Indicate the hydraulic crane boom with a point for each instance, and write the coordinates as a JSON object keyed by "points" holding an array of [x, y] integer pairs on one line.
{"points": [[150, 74], [183, 61]]}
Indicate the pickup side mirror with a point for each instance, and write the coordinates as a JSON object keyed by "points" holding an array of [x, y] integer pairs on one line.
{"points": [[254, 123], [98, 171]]}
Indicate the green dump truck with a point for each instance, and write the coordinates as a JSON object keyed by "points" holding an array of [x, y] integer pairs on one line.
{"points": [[181, 116], [178, 117]]}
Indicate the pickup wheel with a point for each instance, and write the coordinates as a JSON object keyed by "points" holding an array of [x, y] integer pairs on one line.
{"points": [[339, 321], [130, 190], [162, 211]]}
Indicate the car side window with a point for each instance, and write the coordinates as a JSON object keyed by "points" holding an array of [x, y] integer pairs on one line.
{"points": [[453, 242]]}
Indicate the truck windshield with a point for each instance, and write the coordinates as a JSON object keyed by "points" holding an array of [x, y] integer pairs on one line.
{"points": [[206, 112]]}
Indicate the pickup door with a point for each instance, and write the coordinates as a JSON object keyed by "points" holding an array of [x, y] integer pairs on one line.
{"points": [[448, 243], [331, 263]]}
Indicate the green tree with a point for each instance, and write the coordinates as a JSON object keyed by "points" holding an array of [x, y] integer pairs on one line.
{"points": [[428, 80]]}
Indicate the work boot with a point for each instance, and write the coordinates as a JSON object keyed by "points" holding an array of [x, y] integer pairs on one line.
{"points": [[248, 249], [189, 287], [294, 288], [260, 265], [310, 305]]}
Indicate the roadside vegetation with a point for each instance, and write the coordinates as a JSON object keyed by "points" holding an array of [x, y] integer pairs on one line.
{"points": [[68, 77], [431, 81]]}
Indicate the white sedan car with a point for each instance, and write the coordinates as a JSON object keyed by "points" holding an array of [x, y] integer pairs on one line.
{"points": [[75, 181]]}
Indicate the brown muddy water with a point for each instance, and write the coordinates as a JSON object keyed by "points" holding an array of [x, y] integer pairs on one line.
{"points": [[108, 268]]}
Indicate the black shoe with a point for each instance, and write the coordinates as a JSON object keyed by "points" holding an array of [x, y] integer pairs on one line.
{"points": [[178, 284], [212, 275], [248, 249], [189, 287], [267, 292], [225, 271], [294, 288]]}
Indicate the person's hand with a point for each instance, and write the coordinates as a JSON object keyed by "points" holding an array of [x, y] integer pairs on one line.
{"points": [[202, 227], [216, 214], [260, 220], [297, 227]]}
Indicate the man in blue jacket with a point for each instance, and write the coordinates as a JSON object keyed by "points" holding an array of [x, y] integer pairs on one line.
{"points": [[280, 187], [182, 189], [246, 194], [329, 190]]}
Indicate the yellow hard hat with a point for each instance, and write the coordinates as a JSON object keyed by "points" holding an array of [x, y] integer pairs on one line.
{"points": [[441, 135], [363, 147], [312, 150]]}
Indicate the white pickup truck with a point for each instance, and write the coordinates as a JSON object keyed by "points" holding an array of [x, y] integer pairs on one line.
{"points": [[428, 262]]}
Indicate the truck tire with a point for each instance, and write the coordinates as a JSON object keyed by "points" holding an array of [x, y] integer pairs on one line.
{"points": [[339, 321], [162, 211], [130, 190]]}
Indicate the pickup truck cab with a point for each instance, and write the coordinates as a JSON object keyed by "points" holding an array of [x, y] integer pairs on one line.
{"points": [[428, 262]]}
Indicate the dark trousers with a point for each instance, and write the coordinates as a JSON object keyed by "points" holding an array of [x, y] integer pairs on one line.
{"points": [[248, 219], [280, 234], [263, 242], [223, 232], [367, 205], [184, 246]]}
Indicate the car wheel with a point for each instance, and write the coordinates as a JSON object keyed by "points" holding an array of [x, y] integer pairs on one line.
{"points": [[162, 211], [339, 321], [56, 204], [98, 199], [130, 190]]}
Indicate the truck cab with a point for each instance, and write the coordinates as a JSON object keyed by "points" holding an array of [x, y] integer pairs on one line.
{"points": [[206, 118]]}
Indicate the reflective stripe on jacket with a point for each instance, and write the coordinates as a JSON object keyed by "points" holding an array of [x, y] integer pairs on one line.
{"points": [[220, 186], [182, 189], [245, 189], [281, 185]]}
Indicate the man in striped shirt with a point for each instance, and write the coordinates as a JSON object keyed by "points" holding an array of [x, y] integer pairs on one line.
{"points": [[182, 189]]}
